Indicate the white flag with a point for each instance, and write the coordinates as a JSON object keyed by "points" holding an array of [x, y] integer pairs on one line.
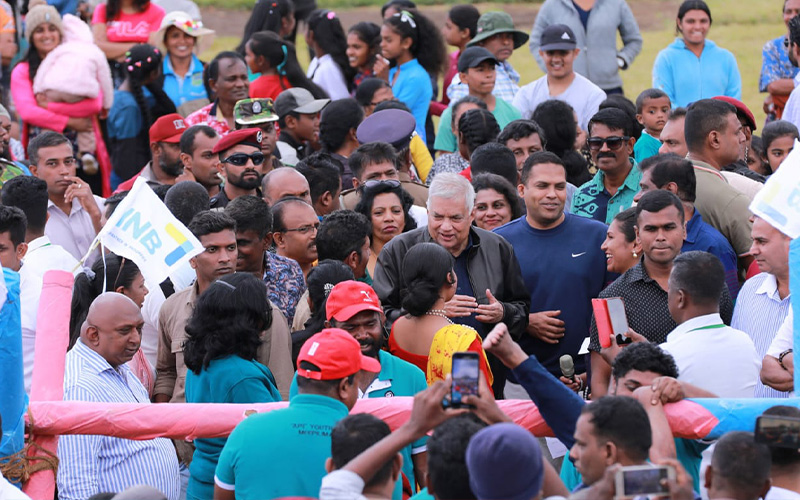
{"points": [[779, 201], [144, 230]]}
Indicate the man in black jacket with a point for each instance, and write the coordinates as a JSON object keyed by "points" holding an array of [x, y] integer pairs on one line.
{"points": [[490, 285]]}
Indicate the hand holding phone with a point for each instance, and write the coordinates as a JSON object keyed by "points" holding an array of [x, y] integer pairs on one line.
{"points": [[465, 372], [643, 480]]}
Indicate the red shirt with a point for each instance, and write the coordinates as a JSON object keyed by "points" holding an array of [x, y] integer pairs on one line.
{"points": [[268, 87], [130, 27]]}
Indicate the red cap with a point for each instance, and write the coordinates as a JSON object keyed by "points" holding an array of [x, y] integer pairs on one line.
{"points": [[168, 128], [337, 355], [349, 298], [740, 109], [249, 136]]}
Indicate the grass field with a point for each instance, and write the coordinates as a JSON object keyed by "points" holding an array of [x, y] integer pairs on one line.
{"points": [[743, 30]]}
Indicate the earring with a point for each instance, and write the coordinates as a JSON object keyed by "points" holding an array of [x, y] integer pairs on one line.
{"points": [[634, 254]]}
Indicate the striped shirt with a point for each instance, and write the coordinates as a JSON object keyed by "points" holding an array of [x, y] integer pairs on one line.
{"points": [[93, 464], [759, 312], [506, 84]]}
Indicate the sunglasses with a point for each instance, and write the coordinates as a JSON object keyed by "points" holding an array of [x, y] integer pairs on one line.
{"points": [[394, 183], [240, 159], [614, 143]]}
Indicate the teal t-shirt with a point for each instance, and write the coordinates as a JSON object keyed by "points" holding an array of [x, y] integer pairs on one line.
{"points": [[396, 378], [503, 112], [645, 147], [422, 495], [281, 453], [231, 379]]}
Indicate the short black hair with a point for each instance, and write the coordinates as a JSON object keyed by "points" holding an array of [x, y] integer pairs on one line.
{"points": [[627, 221], [323, 174], [700, 275], [341, 233], [370, 154], [679, 112], [310, 386], [46, 139], [187, 199], [337, 120], [365, 91], [556, 120], [250, 213], [784, 457], [644, 357], [113, 201], [467, 99], [280, 207], [646, 95], [624, 422], [519, 129], [494, 158], [29, 194], [613, 118], [666, 168], [656, 201], [538, 158], [702, 118], [741, 463], [502, 186], [794, 30], [447, 452], [13, 221], [188, 136], [622, 103], [210, 222], [352, 436]]}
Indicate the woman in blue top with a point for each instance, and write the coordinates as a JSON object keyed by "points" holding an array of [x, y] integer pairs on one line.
{"points": [[179, 37], [693, 68], [223, 336], [414, 46]]}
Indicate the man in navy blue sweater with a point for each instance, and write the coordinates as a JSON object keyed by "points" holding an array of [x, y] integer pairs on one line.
{"points": [[561, 262]]}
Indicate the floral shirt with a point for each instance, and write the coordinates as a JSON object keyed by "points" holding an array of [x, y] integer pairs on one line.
{"points": [[285, 283], [775, 63], [208, 115]]}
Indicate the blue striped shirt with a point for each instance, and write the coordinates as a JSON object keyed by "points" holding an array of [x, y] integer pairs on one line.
{"points": [[759, 312], [93, 464]]}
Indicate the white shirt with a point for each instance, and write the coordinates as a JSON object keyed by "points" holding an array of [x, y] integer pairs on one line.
{"points": [[74, 232], [324, 72], [776, 493], [721, 360], [791, 112], [42, 256], [10, 492], [583, 95]]}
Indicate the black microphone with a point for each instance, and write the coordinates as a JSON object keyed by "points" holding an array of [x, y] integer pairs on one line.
{"points": [[567, 366]]}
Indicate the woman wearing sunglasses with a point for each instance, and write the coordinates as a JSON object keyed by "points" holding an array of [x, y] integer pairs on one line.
{"points": [[386, 204], [242, 164]]}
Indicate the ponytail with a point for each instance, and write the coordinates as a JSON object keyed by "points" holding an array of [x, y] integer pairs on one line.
{"points": [[140, 64], [281, 55], [330, 35]]}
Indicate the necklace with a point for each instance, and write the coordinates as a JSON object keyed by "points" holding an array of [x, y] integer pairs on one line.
{"points": [[439, 312]]}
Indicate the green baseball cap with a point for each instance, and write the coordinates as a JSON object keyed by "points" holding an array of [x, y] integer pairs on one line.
{"points": [[254, 111], [493, 23]]}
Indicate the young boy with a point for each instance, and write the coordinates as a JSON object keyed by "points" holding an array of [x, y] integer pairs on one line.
{"points": [[652, 111], [476, 68], [298, 117]]}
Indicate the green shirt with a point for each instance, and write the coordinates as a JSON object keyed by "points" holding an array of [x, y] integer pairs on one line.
{"points": [[645, 147], [503, 112], [226, 380], [281, 453], [593, 201]]}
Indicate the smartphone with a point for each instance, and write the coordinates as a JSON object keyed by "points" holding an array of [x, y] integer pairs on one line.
{"points": [[619, 322], [778, 432], [642, 480], [465, 371]]}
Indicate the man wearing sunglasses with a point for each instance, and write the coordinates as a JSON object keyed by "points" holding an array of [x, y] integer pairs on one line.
{"points": [[617, 181], [242, 164]]}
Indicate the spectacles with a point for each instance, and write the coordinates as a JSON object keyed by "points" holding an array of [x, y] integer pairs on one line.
{"points": [[304, 229], [613, 143], [240, 159], [394, 183]]}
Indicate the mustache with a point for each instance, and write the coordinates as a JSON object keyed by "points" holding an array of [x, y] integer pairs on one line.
{"points": [[606, 155]]}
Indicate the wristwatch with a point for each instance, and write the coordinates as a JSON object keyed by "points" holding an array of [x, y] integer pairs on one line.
{"points": [[783, 355]]}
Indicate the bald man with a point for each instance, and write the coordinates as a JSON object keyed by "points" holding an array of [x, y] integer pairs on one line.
{"points": [[96, 372], [285, 182]]}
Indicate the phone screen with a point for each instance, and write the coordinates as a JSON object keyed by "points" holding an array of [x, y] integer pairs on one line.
{"points": [[465, 377], [778, 432], [619, 322], [644, 481]]}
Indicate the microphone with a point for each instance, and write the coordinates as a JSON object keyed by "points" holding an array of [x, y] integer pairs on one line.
{"points": [[567, 366]]}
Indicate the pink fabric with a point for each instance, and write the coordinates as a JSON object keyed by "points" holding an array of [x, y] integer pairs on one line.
{"points": [[79, 57], [52, 339], [130, 27], [143, 370]]}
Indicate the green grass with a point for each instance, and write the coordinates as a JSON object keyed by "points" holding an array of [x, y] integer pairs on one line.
{"points": [[743, 31]]}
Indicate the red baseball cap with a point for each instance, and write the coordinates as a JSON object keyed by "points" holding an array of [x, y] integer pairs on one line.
{"points": [[349, 298], [337, 355], [249, 136], [741, 109], [168, 128]]}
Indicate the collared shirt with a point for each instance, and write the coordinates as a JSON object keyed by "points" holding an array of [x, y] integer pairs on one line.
{"points": [[506, 84], [714, 357], [592, 199], [646, 306], [209, 115], [285, 283], [759, 312], [775, 63], [42, 256], [74, 232], [184, 89], [701, 236], [92, 464]]}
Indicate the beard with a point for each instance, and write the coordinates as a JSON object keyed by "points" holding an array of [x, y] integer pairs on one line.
{"points": [[173, 169], [249, 182]]}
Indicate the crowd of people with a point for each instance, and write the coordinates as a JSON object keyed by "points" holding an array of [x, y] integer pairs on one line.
{"points": [[353, 247]]}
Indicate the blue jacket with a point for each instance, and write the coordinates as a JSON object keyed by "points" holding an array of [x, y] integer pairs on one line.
{"points": [[686, 78], [13, 400]]}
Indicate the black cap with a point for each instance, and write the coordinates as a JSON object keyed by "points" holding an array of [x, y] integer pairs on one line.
{"points": [[558, 37], [472, 57], [394, 126]]}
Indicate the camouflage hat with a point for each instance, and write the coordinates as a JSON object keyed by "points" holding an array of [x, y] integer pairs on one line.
{"points": [[494, 23], [254, 111]]}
